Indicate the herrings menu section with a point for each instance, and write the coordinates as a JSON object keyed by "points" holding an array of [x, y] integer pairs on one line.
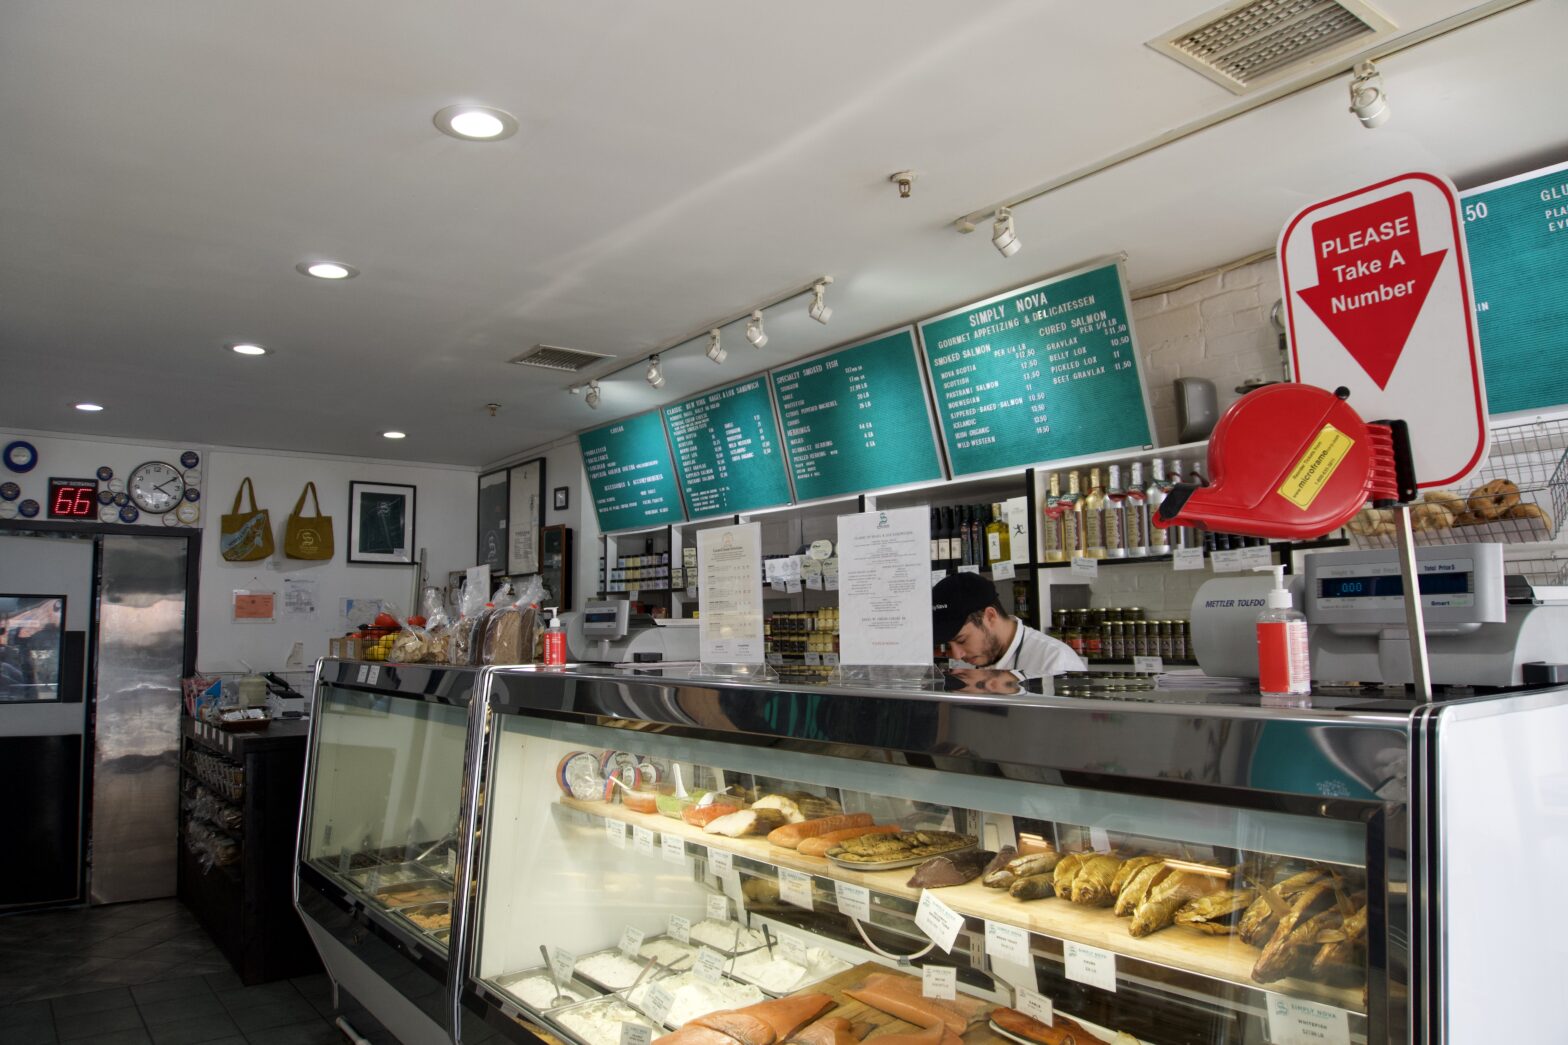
{"points": [[630, 474], [1044, 372], [857, 419], [727, 450]]}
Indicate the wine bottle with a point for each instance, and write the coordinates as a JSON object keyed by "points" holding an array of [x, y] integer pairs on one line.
{"points": [[1115, 515], [1072, 517], [1052, 543], [1136, 509], [936, 538], [1094, 518], [998, 540], [1159, 539]]}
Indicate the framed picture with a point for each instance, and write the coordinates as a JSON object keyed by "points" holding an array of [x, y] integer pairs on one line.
{"points": [[381, 523], [562, 498], [494, 493], [524, 516], [555, 566]]}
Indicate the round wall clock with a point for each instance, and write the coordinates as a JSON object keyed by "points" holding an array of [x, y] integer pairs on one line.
{"points": [[156, 487], [129, 514], [10, 491], [28, 508], [20, 456]]}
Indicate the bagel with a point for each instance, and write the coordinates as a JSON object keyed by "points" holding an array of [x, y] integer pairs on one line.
{"points": [[1430, 515], [1526, 510], [1493, 499], [1468, 519], [1370, 522], [1455, 503]]}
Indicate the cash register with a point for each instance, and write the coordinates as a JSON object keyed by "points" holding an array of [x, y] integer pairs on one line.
{"points": [[607, 632]]}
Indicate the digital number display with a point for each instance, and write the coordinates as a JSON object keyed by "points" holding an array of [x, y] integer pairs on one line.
{"points": [[1392, 585], [73, 498]]}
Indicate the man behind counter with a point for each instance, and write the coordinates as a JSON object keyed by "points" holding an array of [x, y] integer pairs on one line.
{"points": [[967, 616]]}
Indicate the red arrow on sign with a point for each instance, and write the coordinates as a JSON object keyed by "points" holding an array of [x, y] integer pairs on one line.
{"points": [[1372, 280]]}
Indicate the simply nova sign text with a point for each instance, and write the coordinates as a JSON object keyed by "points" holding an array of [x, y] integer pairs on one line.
{"points": [[1378, 300]]}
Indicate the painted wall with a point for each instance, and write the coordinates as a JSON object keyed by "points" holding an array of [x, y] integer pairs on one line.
{"points": [[443, 526]]}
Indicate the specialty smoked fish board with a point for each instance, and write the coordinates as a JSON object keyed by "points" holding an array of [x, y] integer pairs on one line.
{"points": [[881, 1022], [1220, 957]]}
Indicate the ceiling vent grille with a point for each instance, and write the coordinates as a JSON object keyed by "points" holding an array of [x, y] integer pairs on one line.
{"points": [[1256, 43], [551, 357]]}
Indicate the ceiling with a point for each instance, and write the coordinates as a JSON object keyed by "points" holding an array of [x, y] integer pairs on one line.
{"points": [[165, 166]]}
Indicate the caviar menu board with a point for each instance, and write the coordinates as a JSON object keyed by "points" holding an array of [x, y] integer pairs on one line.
{"points": [[857, 419], [1037, 374], [727, 450], [1517, 235], [630, 474]]}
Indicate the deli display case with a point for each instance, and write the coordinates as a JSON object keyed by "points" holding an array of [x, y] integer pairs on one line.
{"points": [[647, 848]]}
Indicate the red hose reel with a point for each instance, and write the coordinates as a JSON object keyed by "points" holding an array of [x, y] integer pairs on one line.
{"points": [[1293, 462]]}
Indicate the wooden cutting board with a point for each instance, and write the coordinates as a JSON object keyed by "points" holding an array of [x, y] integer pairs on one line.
{"points": [[861, 1014]]}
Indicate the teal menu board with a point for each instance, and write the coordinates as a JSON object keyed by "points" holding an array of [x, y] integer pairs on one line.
{"points": [[727, 450], [630, 474], [1037, 374], [857, 419], [1516, 232]]}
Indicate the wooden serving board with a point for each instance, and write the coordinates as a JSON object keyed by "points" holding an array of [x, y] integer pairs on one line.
{"points": [[861, 1014], [1220, 957]]}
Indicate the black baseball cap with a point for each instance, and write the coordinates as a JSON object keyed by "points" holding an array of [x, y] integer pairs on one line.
{"points": [[954, 598]]}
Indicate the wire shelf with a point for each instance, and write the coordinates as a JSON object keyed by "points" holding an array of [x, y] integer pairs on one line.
{"points": [[1541, 569]]}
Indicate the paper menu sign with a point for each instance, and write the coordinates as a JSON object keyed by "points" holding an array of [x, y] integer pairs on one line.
{"points": [[562, 965], [939, 981], [635, 1034], [615, 831], [885, 587], [730, 626], [1187, 559], [674, 849], [1090, 965], [795, 888], [679, 927], [718, 908], [1007, 942], [710, 965], [937, 920], [854, 901], [657, 1003], [631, 941], [720, 861], [642, 840], [1293, 1022], [1036, 1006]]}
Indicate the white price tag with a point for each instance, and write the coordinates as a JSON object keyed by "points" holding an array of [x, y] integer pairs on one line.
{"points": [[674, 849], [854, 900], [795, 888], [710, 965], [562, 964], [778, 585], [936, 575], [636, 1034], [1090, 965], [720, 861], [937, 920], [1036, 1006], [679, 927], [1257, 555], [814, 659], [1227, 561], [939, 981], [1187, 559], [642, 840], [793, 950], [1087, 569], [718, 908], [615, 831], [364, 673], [792, 585], [1293, 1022], [631, 941], [830, 659], [373, 675], [1148, 664], [814, 582], [658, 1002], [775, 659], [969, 568], [1007, 942], [830, 574], [691, 593], [1003, 570]]}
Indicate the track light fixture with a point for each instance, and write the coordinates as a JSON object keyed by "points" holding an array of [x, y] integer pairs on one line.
{"points": [[1003, 235], [754, 332], [593, 395], [819, 309], [1368, 100], [654, 376], [716, 351]]}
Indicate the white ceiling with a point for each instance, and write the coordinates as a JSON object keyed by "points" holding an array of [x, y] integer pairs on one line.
{"points": [[164, 166]]}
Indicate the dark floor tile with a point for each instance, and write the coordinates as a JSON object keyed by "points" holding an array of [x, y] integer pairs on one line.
{"points": [[123, 1037], [227, 980], [170, 1009], [28, 1032], [90, 1026], [318, 1033], [189, 1032], [117, 947], [242, 998], [162, 990], [93, 1001], [274, 1014], [26, 1012]]}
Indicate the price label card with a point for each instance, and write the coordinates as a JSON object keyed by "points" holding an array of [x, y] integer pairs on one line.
{"points": [[775, 659], [1036, 1006], [830, 659], [1090, 965], [562, 963], [969, 568], [1003, 570], [720, 861], [615, 831], [937, 575], [1228, 561], [636, 1034], [792, 585], [854, 900], [1257, 555], [657, 1003], [1149, 664], [795, 888], [1085, 569], [937, 920], [691, 593], [631, 941], [718, 908], [939, 981], [1187, 559], [793, 949], [1293, 1022], [1007, 942], [642, 840], [710, 965], [679, 927], [830, 574], [374, 674], [778, 585], [364, 673], [674, 849], [814, 582], [814, 659]]}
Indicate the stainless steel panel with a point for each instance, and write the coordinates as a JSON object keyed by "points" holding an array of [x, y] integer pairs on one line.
{"points": [[135, 799]]}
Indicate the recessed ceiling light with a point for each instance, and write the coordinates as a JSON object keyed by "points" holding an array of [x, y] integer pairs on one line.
{"points": [[393, 435], [90, 408], [476, 123], [246, 348], [326, 269]]}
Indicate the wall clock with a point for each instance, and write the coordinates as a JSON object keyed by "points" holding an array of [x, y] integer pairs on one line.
{"points": [[155, 487]]}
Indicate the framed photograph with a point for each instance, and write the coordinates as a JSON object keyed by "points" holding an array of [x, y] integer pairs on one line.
{"points": [[494, 494], [555, 566], [381, 523], [562, 498], [525, 516]]}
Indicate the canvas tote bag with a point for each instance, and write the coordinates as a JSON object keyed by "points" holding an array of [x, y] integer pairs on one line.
{"points": [[245, 535], [308, 536]]}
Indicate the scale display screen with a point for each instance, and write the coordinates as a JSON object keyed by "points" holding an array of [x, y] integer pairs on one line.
{"points": [[1391, 586], [73, 498]]}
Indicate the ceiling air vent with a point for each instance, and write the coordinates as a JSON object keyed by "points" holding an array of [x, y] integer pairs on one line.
{"points": [[1256, 43], [550, 357]]}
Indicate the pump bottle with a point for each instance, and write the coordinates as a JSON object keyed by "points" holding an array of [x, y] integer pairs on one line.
{"points": [[1284, 665], [554, 640]]}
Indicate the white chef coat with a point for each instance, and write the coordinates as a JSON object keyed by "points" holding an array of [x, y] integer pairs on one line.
{"points": [[1036, 654]]}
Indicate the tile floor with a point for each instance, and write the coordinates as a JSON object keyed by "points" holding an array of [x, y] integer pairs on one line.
{"points": [[146, 972]]}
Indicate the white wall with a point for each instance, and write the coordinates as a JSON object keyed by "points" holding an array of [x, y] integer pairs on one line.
{"points": [[444, 526]]}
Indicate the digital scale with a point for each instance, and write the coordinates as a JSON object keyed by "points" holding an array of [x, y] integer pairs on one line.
{"points": [[607, 632]]}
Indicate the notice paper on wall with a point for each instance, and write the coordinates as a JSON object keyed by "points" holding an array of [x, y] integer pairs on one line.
{"points": [[885, 587], [730, 583], [253, 607], [301, 595]]}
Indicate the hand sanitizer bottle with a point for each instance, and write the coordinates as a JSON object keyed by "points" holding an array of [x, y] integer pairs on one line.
{"points": [[1284, 664]]}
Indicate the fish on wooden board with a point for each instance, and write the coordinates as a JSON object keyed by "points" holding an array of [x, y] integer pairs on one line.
{"points": [[1138, 885], [1257, 924], [1066, 871], [940, 872], [996, 875], [1034, 887], [1060, 1031], [1158, 910], [1092, 883], [1277, 956], [1216, 915]]}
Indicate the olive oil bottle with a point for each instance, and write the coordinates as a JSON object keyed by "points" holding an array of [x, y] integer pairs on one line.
{"points": [[1094, 518], [1115, 515], [998, 541], [1153, 497], [1072, 517], [1135, 508], [1053, 544]]}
